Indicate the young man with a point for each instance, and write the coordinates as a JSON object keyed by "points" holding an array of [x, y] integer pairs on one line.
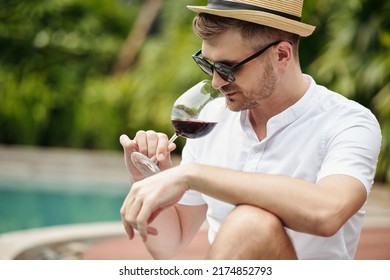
{"points": [[284, 175]]}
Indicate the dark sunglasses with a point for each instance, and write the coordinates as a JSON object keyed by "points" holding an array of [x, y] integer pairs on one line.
{"points": [[225, 71]]}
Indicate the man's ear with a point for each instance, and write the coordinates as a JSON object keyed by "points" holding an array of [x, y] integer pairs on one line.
{"points": [[285, 53]]}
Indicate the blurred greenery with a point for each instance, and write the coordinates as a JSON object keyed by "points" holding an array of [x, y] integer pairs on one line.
{"points": [[57, 87]]}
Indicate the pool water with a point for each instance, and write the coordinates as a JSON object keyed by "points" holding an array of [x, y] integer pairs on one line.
{"points": [[25, 205]]}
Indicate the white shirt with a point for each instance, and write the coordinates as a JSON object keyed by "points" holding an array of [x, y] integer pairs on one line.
{"points": [[322, 134]]}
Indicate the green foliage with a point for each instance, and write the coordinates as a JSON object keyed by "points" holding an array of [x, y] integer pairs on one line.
{"points": [[48, 49], [56, 59], [355, 60]]}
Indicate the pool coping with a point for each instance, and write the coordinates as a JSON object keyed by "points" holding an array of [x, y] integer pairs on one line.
{"points": [[15, 243]]}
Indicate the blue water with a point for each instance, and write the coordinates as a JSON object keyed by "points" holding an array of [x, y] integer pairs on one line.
{"points": [[26, 205]]}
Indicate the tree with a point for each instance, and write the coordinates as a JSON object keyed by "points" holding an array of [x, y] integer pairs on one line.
{"points": [[130, 49]]}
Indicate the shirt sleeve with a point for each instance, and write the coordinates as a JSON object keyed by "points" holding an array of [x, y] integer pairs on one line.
{"points": [[352, 147]]}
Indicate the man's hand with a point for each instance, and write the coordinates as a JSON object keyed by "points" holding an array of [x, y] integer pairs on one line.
{"points": [[148, 197], [149, 143]]}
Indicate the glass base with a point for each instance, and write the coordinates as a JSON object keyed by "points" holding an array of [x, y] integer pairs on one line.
{"points": [[144, 164]]}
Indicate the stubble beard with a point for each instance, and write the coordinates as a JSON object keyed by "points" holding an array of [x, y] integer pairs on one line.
{"points": [[264, 89]]}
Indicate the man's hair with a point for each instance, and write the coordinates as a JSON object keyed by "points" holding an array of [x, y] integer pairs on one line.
{"points": [[206, 26]]}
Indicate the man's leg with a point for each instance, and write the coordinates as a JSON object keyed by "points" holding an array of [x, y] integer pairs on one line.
{"points": [[251, 233]]}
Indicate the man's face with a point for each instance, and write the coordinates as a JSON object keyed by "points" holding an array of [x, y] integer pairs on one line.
{"points": [[254, 82]]}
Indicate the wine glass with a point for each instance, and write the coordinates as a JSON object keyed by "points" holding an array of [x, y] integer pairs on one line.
{"points": [[194, 114]]}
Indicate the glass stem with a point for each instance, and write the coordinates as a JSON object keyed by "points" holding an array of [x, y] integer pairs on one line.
{"points": [[173, 138]]}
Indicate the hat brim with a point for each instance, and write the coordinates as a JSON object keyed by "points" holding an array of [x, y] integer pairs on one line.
{"points": [[262, 18]]}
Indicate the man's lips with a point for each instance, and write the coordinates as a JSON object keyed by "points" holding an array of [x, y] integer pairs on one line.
{"points": [[229, 91], [230, 94]]}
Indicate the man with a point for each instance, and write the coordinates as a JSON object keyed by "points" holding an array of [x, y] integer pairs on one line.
{"points": [[284, 175]]}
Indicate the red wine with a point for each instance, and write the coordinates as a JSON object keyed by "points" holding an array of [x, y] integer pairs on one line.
{"points": [[192, 128]]}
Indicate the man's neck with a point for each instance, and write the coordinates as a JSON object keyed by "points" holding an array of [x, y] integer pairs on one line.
{"points": [[284, 97]]}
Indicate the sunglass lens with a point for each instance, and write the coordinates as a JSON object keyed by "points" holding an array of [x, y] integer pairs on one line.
{"points": [[204, 65], [225, 72]]}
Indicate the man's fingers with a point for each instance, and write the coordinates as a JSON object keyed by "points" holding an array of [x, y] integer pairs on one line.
{"points": [[125, 141], [162, 147], [144, 218], [128, 228]]}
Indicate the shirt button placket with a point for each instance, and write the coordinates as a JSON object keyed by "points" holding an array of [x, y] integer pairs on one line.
{"points": [[254, 157]]}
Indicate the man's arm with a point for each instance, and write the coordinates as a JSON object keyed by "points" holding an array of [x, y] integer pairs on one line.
{"points": [[316, 208], [171, 230], [176, 227], [319, 209]]}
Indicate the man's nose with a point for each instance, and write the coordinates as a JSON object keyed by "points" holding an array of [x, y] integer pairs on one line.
{"points": [[217, 82]]}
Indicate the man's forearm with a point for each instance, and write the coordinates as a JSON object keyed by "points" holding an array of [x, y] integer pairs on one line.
{"points": [[318, 209], [166, 243], [176, 227]]}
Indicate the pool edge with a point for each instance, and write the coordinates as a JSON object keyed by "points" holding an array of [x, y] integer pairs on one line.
{"points": [[15, 243]]}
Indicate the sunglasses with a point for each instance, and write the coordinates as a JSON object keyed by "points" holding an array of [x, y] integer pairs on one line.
{"points": [[226, 72]]}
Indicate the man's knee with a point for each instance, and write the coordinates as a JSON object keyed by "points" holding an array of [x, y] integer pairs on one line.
{"points": [[254, 219], [250, 232]]}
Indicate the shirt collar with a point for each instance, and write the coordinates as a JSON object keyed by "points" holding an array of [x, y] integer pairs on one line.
{"points": [[287, 116]]}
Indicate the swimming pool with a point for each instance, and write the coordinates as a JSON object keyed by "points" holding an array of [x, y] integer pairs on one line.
{"points": [[40, 188], [32, 207]]}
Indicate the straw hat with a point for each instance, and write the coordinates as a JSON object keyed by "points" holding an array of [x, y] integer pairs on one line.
{"points": [[280, 14]]}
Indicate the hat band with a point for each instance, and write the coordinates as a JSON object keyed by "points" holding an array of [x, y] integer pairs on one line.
{"points": [[227, 5]]}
